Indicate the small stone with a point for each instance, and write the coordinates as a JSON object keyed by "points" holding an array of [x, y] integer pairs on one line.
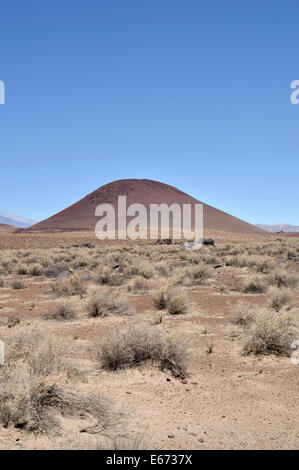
{"points": [[201, 440], [171, 436]]}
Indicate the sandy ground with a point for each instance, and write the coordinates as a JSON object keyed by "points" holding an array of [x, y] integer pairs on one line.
{"points": [[226, 401]]}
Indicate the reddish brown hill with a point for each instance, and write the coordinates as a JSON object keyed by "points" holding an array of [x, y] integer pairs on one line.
{"points": [[81, 215], [7, 228]]}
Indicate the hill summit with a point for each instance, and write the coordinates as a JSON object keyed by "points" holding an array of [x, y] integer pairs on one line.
{"points": [[81, 215]]}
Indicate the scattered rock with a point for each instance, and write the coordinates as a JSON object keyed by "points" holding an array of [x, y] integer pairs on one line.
{"points": [[84, 245], [54, 270], [64, 275], [217, 266], [163, 241], [171, 436], [196, 245]]}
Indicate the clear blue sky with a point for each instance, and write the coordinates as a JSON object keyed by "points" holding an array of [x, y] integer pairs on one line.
{"points": [[192, 93]]}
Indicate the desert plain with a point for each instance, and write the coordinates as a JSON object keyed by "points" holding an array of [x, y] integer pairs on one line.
{"points": [[138, 345]]}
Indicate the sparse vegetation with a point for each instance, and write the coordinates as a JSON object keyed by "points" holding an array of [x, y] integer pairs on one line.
{"points": [[269, 333], [17, 284], [133, 346], [279, 298], [255, 286], [102, 302], [62, 312]]}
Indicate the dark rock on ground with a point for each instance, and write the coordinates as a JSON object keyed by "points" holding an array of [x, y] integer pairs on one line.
{"points": [[58, 271]]}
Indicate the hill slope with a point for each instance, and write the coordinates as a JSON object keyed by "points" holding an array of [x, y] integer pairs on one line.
{"points": [[81, 215]]}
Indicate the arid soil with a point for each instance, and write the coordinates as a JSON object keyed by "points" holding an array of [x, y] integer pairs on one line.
{"points": [[226, 398]]}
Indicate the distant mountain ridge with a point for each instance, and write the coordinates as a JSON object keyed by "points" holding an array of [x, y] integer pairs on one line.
{"points": [[279, 228], [15, 220]]}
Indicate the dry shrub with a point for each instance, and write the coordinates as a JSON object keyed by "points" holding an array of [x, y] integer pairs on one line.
{"points": [[255, 286], [282, 278], [141, 269], [22, 269], [243, 316], [102, 302], [163, 269], [60, 289], [76, 285], [196, 276], [176, 303], [12, 321], [43, 354], [138, 285], [62, 312], [35, 270], [135, 345], [171, 299], [279, 298], [269, 333], [17, 284], [110, 277], [72, 286], [29, 396]]}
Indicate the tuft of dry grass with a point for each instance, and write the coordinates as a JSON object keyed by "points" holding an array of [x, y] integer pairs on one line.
{"points": [[170, 299], [62, 312], [138, 285], [135, 345], [17, 284], [282, 278], [255, 286], [36, 270], [30, 398], [110, 277], [102, 302], [270, 332], [279, 298], [196, 276], [243, 316]]}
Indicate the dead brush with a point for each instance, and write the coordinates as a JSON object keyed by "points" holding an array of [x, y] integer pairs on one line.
{"points": [[255, 286], [29, 397], [282, 278], [22, 269], [279, 298], [169, 298], [163, 269], [110, 277], [35, 270], [12, 321], [243, 316], [35, 404], [133, 346], [60, 289], [76, 285], [17, 284], [269, 333], [196, 276], [138, 285], [102, 302], [61, 312]]}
